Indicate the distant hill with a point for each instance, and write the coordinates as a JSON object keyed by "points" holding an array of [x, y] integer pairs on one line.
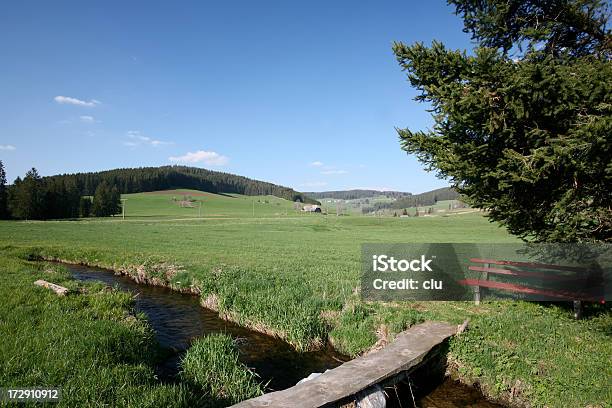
{"points": [[401, 199], [143, 179], [355, 194], [427, 198]]}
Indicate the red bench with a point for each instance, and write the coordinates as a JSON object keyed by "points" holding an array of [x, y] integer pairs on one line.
{"points": [[529, 271]]}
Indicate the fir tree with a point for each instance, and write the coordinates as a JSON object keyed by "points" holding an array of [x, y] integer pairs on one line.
{"points": [[27, 201], [523, 124], [106, 201]]}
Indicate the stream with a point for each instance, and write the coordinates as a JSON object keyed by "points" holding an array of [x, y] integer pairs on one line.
{"points": [[178, 318]]}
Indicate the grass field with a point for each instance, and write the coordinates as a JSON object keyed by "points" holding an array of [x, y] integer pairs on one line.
{"points": [[295, 275], [166, 204], [91, 345]]}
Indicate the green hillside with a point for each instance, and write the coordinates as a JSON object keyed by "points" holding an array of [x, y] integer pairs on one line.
{"points": [[185, 203]]}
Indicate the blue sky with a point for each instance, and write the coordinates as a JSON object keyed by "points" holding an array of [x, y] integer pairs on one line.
{"points": [[303, 94]]}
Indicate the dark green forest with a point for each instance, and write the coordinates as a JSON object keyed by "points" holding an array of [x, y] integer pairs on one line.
{"points": [[70, 195], [142, 179]]}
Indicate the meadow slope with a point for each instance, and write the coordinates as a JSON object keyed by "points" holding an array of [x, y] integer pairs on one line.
{"points": [[295, 275]]}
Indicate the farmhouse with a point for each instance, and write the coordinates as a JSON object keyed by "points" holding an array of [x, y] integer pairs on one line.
{"points": [[311, 208]]}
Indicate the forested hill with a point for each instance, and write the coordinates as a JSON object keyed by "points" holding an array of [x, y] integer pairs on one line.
{"points": [[414, 200], [402, 200], [136, 180], [355, 194], [427, 198]]}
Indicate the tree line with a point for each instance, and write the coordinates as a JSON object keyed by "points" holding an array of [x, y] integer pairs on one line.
{"points": [[40, 198], [99, 193]]}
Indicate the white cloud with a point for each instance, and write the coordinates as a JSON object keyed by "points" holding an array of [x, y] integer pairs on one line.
{"points": [[74, 101], [314, 184], [334, 172], [135, 134], [140, 139], [156, 143], [209, 158], [87, 119], [316, 164], [7, 147]]}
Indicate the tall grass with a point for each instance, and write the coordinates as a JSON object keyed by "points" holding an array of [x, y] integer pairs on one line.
{"points": [[87, 343], [211, 364]]}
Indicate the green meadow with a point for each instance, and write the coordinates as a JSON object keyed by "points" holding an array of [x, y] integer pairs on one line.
{"points": [[92, 345], [264, 265], [167, 204]]}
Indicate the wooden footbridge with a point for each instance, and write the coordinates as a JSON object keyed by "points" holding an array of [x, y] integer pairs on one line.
{"points": [[409, 350]]}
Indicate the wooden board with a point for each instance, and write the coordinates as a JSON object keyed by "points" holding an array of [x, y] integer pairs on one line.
{"points": [[513, 287], [407, 350], [60, 290]]}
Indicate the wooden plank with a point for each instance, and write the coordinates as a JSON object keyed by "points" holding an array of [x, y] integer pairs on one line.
{"points": [[59, 290], [527, 290], [527, 274], [406, 352], [529, 265]]}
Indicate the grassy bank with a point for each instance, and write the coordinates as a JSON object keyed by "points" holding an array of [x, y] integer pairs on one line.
{"points": [[88, 344], [295, 276], [91, 345]]}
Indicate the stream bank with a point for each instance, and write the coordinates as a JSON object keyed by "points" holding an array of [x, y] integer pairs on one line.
{"points": [[177, 318]]}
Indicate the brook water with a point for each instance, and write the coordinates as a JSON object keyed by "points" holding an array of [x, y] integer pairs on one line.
{"points": [[178, 318]]}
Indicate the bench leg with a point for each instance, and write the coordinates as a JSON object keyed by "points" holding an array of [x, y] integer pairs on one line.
{"points": [[477, 290], [577, 309]]}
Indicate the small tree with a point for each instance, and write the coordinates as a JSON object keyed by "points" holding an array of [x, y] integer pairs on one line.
{"points": [[115, 201], [522, 126], [27, 197], [106, 201], [405, 212]]}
